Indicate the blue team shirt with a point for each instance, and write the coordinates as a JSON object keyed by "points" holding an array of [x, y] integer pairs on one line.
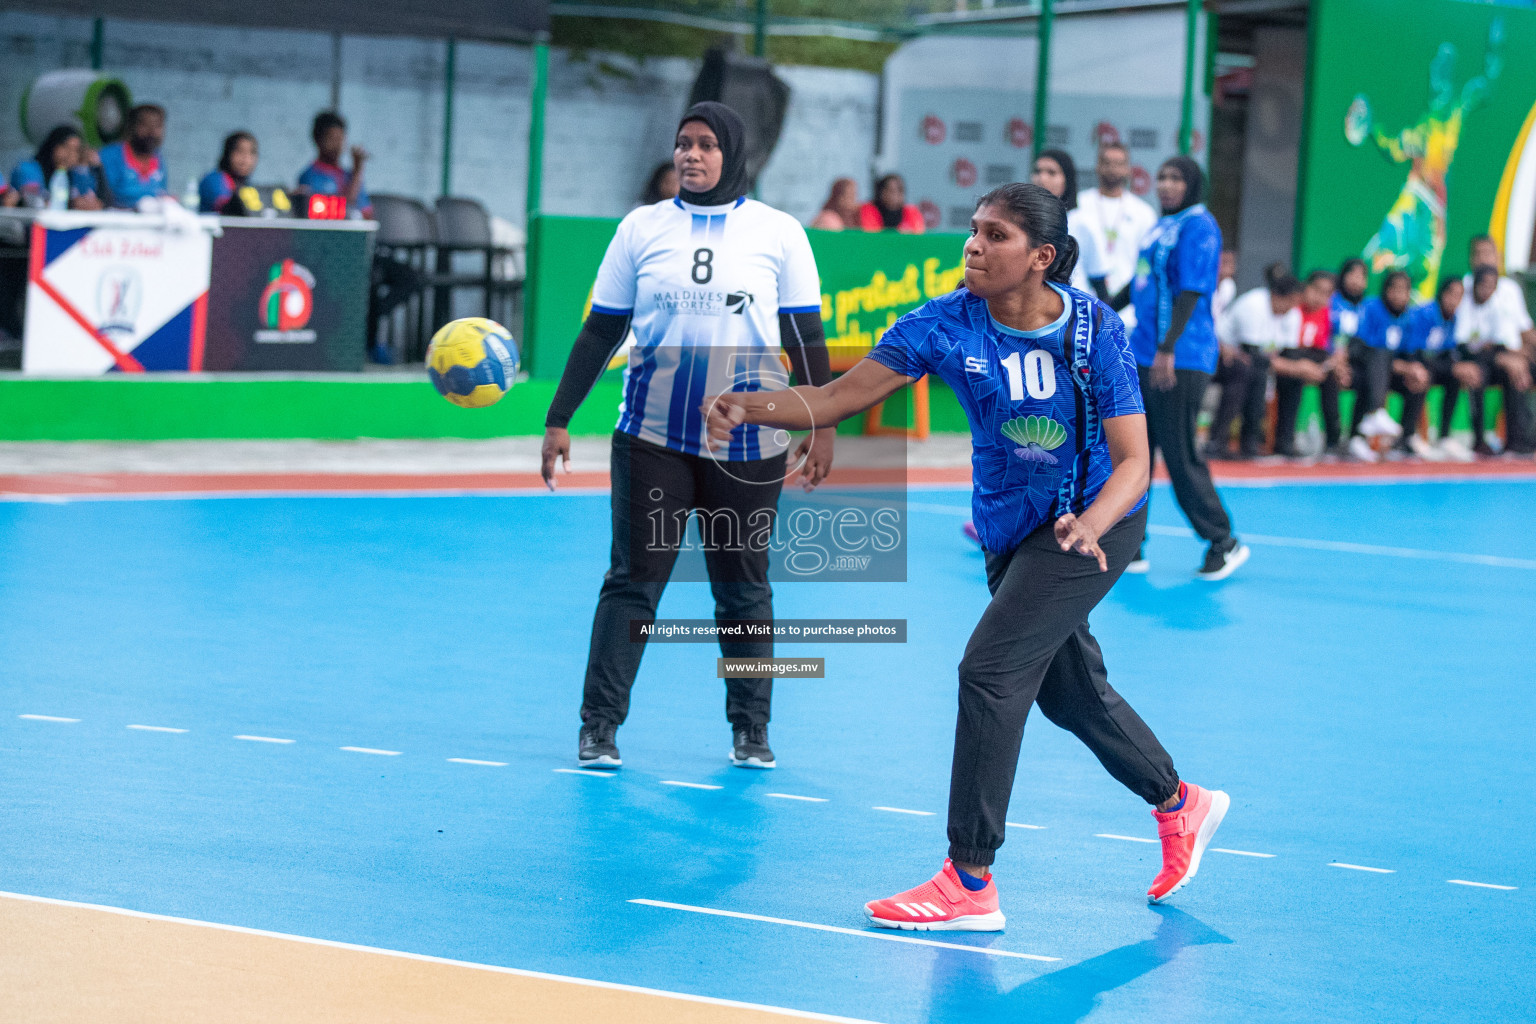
{"points": [[1429, 330], [1345, 316], [1018, 394], [329, 180], [131, 178], [1192, 265], [215, 191], [1379, 328], [29, 180]]}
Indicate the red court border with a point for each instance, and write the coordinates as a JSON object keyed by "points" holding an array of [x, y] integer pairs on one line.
{"points": [[105, 484]]}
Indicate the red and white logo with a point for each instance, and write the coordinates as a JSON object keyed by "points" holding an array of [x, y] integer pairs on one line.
{"points": [[1021, 134], [933, 130], [964, 173], [1141, 181], [931, 214], [1105, 134]]}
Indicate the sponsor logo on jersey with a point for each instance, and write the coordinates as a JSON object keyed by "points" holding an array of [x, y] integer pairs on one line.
{"points": [[703, 302]]}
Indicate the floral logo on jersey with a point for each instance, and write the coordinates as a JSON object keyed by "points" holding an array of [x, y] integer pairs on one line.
{"points": [[1036, 436], [738, 302]]}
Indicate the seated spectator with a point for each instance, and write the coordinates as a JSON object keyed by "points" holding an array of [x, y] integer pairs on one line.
{"points": [[661, 186], [1348, 297], [325, 177], [841, 210], [64, 149], [1314, 361], [1258, 324], [1376, 364], [1431, 340], [132, 169], [889, 211], [1226, 285], [236, 166], [1488, 331], [1484, 252]]}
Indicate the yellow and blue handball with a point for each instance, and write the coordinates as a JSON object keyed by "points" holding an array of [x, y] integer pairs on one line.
{"points": [[472, 362]]}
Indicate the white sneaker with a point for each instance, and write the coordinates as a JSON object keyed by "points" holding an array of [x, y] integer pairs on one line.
{"points": [[1454, 451], [1361, 449], [1424, 450], [1381, 424]]}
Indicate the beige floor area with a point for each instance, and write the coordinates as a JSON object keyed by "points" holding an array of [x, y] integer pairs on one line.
{"points": [[74, 964]]}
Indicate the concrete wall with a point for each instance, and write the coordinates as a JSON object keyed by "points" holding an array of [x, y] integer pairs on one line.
{"points": [[609, 119]]}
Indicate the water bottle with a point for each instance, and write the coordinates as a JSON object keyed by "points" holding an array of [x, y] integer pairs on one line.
{"points": [[58, 190], [189, 196]]}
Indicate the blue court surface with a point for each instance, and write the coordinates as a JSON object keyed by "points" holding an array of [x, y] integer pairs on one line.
{"points": [[1362, 689]]}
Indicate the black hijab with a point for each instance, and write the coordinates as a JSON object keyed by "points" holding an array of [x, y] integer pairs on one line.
{"points": [[1194, 182], [890, 218], [1063, 160], [732, 135]]}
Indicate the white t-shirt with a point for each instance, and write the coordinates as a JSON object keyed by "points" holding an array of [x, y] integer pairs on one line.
{"points": [[1508, 296], [1492, 323], [1117, 226], [1090, 262], [1226, 291], [1251, 320], [705, 285]]}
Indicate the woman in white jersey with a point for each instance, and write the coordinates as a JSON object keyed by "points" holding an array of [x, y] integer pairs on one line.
{"points": [[715, 285]]}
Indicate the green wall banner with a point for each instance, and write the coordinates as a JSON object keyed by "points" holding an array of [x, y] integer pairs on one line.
{"points": [[1419, 135], [867, 281]]}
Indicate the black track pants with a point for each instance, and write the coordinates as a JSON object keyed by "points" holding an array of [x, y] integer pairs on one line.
{"points": [[654, 485], [1031, 646], [1171, 429]]}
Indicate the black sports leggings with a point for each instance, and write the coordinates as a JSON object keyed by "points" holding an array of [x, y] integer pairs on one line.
{"points": [[1032, 646], [654, 485]]}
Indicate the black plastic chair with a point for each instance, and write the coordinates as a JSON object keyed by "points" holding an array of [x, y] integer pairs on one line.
{"points": [[405, 239], [463, 226]]}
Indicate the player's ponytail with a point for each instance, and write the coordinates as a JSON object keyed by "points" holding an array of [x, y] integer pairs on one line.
{"points": [[1043, 218]]}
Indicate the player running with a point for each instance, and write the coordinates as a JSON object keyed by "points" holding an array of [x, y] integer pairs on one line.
{"points": [[712, 283], [1061, 461]]}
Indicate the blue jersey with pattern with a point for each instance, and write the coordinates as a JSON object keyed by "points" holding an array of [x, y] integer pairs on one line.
{"points": [[323, 179], [1429, 330], [1024, 408], [29, 180], [1182, 253], [1345, 316], [1379, 327]]}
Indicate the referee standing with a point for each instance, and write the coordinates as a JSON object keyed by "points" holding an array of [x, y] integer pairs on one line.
{"points": [[715, 286]]}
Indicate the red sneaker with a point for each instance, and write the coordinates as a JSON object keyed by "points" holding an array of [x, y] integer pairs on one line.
{"points": [[941, 904], [1186, 833]]}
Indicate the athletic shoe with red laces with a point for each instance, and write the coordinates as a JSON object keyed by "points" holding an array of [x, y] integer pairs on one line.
{"points": [[941, 904], [1186, 833]]}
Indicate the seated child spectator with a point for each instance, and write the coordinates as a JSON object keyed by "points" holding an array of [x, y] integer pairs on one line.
{"points": [[1258, 324], [325, 177], [1376, 364], [1489, 332], [1314, 361], [1431, 340]]}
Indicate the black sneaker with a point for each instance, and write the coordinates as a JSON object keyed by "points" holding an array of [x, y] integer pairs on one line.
{"points": [[595, 747], [750, 747], [1222, 560]]}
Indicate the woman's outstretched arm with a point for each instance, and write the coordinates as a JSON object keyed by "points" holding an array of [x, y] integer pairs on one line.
{"points": [[803, 408]]}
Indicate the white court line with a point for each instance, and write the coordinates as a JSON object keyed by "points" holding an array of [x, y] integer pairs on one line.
{"points": [[1351, 548], [422, 958], [688, 785], [470, 760], [156, 728], [1361, 867], [371, 750], [1482, 885], [1241, 853], [791, 796], [860, 932], [1020, 824], [596, 773], [903, 810], [263, 739], [1128, 839], [47, 718]]}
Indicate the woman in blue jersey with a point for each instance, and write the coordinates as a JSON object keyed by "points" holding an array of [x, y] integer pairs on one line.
{"points": [[64, 149], [1377, 365], [1347, 300], [715, 286], [236, 165], [1061, 467], [1176, 350]]}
